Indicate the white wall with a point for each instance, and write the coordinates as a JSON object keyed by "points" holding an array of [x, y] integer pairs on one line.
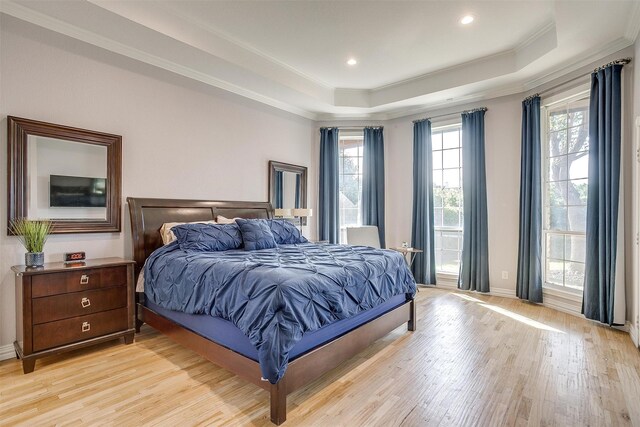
{"points": [[181, 139]]}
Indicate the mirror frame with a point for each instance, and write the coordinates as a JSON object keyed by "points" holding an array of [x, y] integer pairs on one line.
{"points": [[19, 130], [288, 167]]}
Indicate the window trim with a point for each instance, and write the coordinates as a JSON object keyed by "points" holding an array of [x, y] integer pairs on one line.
{"points": [[574, 94]]}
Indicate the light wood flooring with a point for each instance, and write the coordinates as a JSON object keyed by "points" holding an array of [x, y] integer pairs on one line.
{"points": [[474, 361]]}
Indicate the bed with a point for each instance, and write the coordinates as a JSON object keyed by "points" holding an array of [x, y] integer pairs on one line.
{"points": [[226, 343]]}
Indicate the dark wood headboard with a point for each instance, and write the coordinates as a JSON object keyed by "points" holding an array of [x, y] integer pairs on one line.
{"points": [[148, 215]]}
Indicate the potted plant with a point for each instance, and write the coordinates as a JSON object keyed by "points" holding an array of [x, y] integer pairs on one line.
{"points": [[33, 234]]}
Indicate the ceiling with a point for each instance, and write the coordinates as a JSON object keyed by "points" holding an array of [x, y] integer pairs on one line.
{"points": [[292, 55]]}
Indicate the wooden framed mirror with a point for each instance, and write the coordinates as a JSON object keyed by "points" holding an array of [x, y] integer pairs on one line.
{"points": [[287, 186], [68, 175]]}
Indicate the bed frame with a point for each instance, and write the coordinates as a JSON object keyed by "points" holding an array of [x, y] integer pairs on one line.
{"points": [[148, 215]]}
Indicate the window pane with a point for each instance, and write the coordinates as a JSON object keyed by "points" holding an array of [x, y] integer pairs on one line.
{"points": [[451, 240], [351, 150], [577, 192], [451, 217], [437, 160], [574, 274], [451, 178], [554, 272], [557, 193], [437, 178], [557, 143], [350, 165], [558, 218], [449, 262], [437, 197], [438, 240], [557, 121], [451, 158], [350, 184], [578, 139], [452, 197], [578, 165], [578, 117], [557, 168], [437, 217], [451, 139], [575, 248], [555, 246], [577, 216], [436, 141]]}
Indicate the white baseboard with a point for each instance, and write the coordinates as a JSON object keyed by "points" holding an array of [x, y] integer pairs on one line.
{"points": [[633, 332], [452, 285], [7, 352]]}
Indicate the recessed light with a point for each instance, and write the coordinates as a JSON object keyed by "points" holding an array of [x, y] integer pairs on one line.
{"points": [[352, 61], [466, 20]]}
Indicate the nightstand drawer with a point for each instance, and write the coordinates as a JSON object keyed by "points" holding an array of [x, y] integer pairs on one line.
{"points": [[67, 331], [77, 280], [63, 306]]}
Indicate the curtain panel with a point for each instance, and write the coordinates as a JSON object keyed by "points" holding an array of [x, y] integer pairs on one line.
{"points": [[278, 189], [373, 180], [422, 225], [603, 295], [474, 263], [328, 201], [529, 275]]}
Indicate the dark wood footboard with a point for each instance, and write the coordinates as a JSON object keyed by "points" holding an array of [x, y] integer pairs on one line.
{"points": [[303, 369]]}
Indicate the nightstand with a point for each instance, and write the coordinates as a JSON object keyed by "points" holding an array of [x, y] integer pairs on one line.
{"points": [[409, 254], [61, 307]]}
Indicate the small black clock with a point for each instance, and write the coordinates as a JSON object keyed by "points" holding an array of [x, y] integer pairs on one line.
{"points": [[70, 257]]}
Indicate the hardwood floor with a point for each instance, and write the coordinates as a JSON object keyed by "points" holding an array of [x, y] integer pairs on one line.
{"points": [[474, 360]]}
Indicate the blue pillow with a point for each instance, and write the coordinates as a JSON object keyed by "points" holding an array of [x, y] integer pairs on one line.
{"points": [[208, 237], [285, 232], [256, 234]]}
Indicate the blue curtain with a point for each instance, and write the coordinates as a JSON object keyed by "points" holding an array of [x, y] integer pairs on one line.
{"points": [[529, 277], [474, 265], [422, 229], [297, 202], [605, 117], [373, 180], [278, 189], [329, 224]]}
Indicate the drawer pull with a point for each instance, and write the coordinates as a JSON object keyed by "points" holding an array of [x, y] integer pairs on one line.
{"points": [[86, 326], [84, 279], [86, 302]]}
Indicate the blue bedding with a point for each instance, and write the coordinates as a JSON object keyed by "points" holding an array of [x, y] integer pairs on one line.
{"points": [[275, 296]]}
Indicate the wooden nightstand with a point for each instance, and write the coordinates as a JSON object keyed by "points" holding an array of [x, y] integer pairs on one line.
{"points": [[60, 307]]}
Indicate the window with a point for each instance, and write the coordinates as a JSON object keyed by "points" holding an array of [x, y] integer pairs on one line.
{"points": [[565, 171], [447, 197], [350, 182]]}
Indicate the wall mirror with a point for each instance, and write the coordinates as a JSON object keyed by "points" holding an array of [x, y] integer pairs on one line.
{"points": [[70, 176], [287, 186]]}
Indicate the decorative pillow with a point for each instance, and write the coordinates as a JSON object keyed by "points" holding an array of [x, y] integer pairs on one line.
{"points": [[285, 232], [256, 234], [168, 236], [208, 237], [224, 220]]}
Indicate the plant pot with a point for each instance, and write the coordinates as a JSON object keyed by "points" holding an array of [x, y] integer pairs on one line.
{"points": [[34, 259]]}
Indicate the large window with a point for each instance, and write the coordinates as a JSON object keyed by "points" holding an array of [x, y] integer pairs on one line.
{"points": [[350, 182], [565, 171], [447, 197]]}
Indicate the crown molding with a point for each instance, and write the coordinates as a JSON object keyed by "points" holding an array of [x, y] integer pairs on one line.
{"points": [[45, 21], [574, 65], [633, 24]]}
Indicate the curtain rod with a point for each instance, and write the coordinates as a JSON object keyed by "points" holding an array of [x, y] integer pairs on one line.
{"points": [[451, 114], [622, 61], [352, 127]]}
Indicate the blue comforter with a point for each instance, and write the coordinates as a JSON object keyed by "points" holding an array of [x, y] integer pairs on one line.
{"points": [[277, 295]]}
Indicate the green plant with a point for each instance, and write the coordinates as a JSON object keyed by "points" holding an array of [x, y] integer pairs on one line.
{"points": [[32, 233]]}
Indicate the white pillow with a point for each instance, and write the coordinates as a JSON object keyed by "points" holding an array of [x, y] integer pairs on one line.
{"points": [[224, 220], [167, 234]]}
